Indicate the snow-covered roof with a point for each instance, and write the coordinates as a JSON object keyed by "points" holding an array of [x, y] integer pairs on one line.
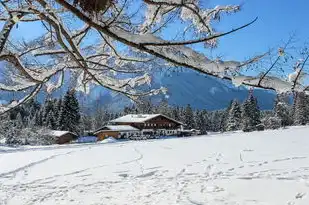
{"points": [[118, 128], [58, 133], [139, 118]]}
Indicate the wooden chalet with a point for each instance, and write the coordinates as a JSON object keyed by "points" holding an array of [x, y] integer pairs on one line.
{"points": [[136, 126], [148, 121], [62, 137]]}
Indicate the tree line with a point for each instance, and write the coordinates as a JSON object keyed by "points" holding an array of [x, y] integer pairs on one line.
{"points": [[33, 119]]}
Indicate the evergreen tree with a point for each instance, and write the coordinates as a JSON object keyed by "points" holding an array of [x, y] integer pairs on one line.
{"points": [[57, 108], [69, 117], [32, 121], [50, 120], [202, 121], [234, 117], [176, 113], [272, 122], [282, 111], [19, 123], [215, 120], [38, 118], [182, 114], [46, 109], [189, 117], [250, 114], [225, 117], [300, 112]]}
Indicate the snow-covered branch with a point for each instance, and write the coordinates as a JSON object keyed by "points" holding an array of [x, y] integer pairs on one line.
{"points": [[115, 46]]}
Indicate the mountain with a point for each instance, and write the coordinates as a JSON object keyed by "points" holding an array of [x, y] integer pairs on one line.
{"points": [[200, 91], [203, 91]]}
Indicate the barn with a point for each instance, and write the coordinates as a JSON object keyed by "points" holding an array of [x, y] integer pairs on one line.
{"points": [[62, 137]]}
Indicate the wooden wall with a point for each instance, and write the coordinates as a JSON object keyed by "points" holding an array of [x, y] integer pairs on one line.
{"points": [[67, 138], [159, 122], [107, 133]]}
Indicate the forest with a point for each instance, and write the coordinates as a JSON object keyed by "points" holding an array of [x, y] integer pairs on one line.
{"points": [[29, 123]]}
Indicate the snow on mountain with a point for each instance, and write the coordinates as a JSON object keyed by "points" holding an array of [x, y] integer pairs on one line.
{"points": [[207, 92], [257, 168], [184, 88]]}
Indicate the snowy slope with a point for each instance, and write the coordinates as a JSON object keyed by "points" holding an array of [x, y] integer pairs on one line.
{"points": [[203, 91], [184, 88], [260, 168]]}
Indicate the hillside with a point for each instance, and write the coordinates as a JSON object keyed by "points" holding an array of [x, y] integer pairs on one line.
{"points": [[256, 168], [207, 92], [184, 88]]}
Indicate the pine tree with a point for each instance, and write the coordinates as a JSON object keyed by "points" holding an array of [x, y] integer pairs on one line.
{"points": [[216, 120], [300, 112], [202, 121], [189, 117], [33, 106], [176, 113], [69, 117], [250, 114], [282, 111], [225, 117], [50, 120], [38, 118], [272, 122], [19, 122], [32, 121], [57, 108], [46, 108], [234, 117]]}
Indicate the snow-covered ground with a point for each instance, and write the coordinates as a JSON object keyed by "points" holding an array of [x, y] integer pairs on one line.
{"points": [[264, 168]]}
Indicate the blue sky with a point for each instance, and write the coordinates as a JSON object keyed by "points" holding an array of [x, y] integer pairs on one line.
{"points": [[277, 20]]}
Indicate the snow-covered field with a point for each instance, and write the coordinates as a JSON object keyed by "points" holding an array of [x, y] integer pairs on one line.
{"points": [[264, 168]]}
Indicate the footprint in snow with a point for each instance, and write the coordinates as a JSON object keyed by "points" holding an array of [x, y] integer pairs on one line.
{"points": [[123, 175], [300, 195], [146, 174]]}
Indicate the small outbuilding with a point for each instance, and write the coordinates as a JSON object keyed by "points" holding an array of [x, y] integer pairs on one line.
{"points": [[62, 137], [116, 131]]}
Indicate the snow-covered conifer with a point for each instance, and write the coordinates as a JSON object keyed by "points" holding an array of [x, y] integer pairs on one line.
{"points": [[300, 110], [69, 117], [234, 117], [282, 111], [250, 113], [189, 117]]}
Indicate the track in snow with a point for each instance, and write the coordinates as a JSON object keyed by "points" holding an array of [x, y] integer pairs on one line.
{"points": [[259, 168]]}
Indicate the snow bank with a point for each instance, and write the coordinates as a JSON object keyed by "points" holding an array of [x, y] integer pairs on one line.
{"points": [[258, 168], [2, 141], [108, 140]]}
